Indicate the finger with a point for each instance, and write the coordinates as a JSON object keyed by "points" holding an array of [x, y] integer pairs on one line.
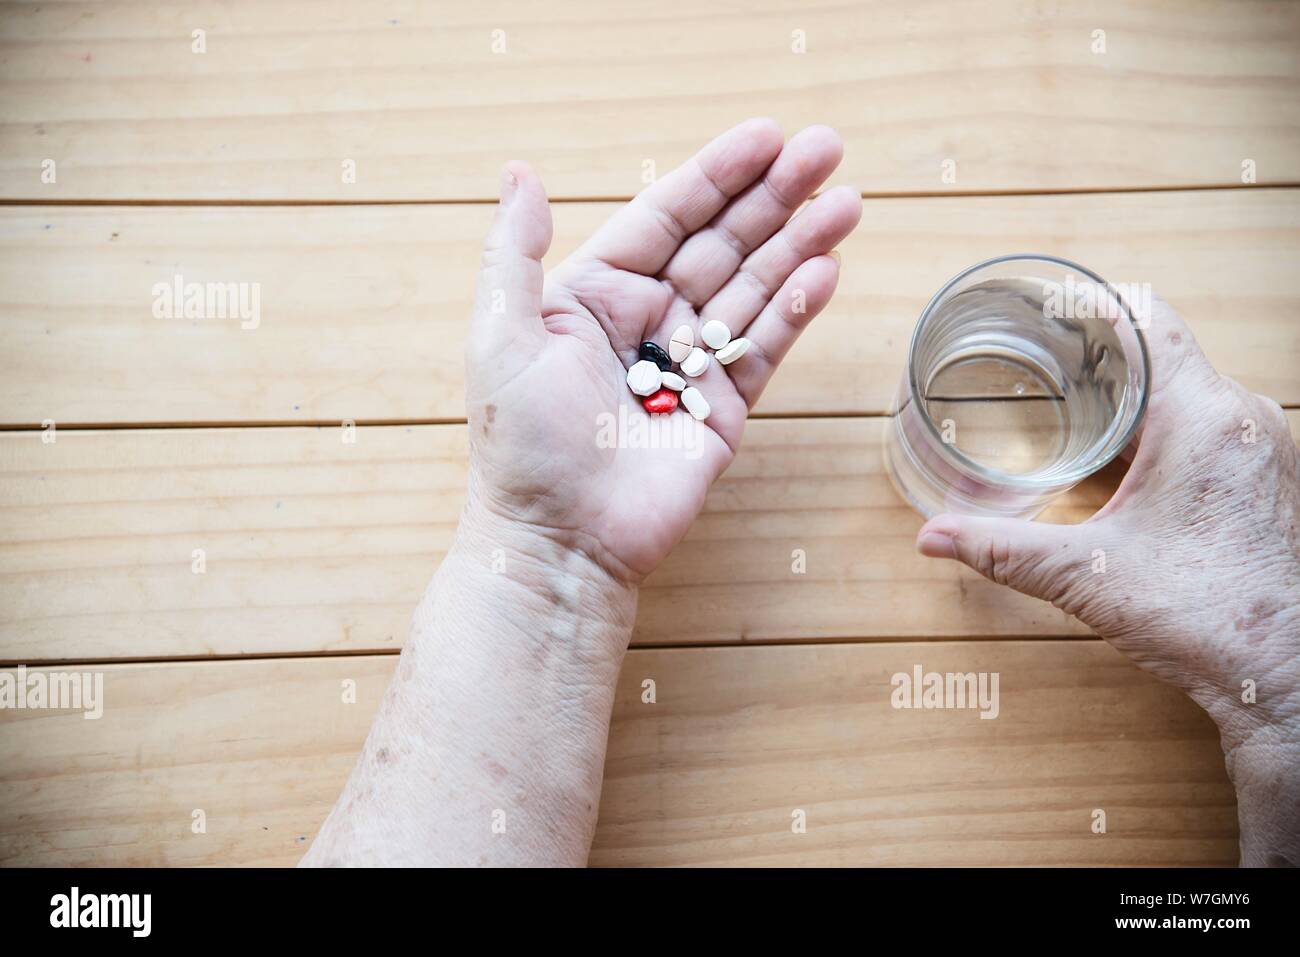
{"points": [[1177, 361], [508, 300], [710, 257], [814, 232], [1181, 376], [774, 331], [1182, 393], [643, 235], [1051, 562]]}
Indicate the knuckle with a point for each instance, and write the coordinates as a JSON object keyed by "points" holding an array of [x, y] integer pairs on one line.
{"points": [[1238, 417], [1160, 308], [494, 255], [1230, 407], [995, 560], [1070, 588], [1271, 414], [672, 227], [761, 290]]}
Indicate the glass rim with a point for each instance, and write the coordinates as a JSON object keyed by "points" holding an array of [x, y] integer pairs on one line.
{"points": [[983, 472]]}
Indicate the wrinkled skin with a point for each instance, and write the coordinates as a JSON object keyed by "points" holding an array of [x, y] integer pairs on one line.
{"points": [[709, 240], [499, 709], [501, 701], [1201, 585]]}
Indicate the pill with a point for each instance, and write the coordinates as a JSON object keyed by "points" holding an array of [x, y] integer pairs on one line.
{"points": [[695, 362], [644, 377], [715, 334], [653, 353], [661, 402], [695, 403], [682, 342], [673, 381], [732, 351]]}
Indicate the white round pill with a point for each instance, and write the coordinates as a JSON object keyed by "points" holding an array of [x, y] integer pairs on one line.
{"points": [[695, 363], [732, 351], [680, 345], [644, 377], [715, 334]]}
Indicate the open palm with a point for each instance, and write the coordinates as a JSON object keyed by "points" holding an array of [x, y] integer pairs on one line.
{"points": [[548, 354]]}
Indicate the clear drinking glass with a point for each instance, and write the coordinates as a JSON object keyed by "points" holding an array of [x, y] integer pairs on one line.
{"points": [[1026, 374]]}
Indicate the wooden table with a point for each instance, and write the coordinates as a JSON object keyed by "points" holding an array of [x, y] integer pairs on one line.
{"points": [[180, 510]]}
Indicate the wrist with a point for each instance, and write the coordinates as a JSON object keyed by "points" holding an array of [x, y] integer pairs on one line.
{"points": [[1261, 747], [1255, 701], [550, 583], [1265, 774], [498, 712]]}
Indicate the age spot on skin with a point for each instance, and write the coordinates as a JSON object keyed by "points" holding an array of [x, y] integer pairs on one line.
{"points": [[1260, 612], [489, 416], [1175, 338]]}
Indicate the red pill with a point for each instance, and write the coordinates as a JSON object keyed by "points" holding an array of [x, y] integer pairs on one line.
{"points": [[663, 401]]}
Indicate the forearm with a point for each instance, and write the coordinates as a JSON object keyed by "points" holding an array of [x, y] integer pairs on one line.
{"points": [[489, 745]]}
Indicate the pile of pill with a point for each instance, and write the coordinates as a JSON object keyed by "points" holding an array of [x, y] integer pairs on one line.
{"points": [[652, 378]]}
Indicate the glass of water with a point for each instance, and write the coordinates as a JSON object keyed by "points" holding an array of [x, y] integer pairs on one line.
{"points": [[1026, 374]]}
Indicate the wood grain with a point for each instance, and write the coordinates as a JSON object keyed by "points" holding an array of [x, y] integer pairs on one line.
{"points": [[312, 544], [315, 545], [1014, 94], [711, 773], [363, 310]]}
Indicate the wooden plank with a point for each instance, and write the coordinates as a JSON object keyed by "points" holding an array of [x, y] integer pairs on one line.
{"points": [[711, 773], [311, 544], [314, 545], [363, 309], [1017, 96]]}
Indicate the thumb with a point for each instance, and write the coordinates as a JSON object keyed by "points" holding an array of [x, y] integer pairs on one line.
{"points": [[1051, 562], [508, 302]]}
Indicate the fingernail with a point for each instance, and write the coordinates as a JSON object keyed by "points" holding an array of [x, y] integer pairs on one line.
{"points": [[936, 545], [835, 254]]}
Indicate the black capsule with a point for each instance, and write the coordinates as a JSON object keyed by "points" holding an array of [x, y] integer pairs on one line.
{"points": [[652, 353]]}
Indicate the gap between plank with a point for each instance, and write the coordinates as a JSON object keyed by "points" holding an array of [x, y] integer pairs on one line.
{"points": [[380, 423], [364, 423], [652, 646], [622, 198]]}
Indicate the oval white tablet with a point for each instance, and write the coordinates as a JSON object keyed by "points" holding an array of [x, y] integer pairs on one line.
{"points": [[673, 381], [715, 334], [695, 363], [732, 351], [695, 403], [644, 377], [683, 340]]}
